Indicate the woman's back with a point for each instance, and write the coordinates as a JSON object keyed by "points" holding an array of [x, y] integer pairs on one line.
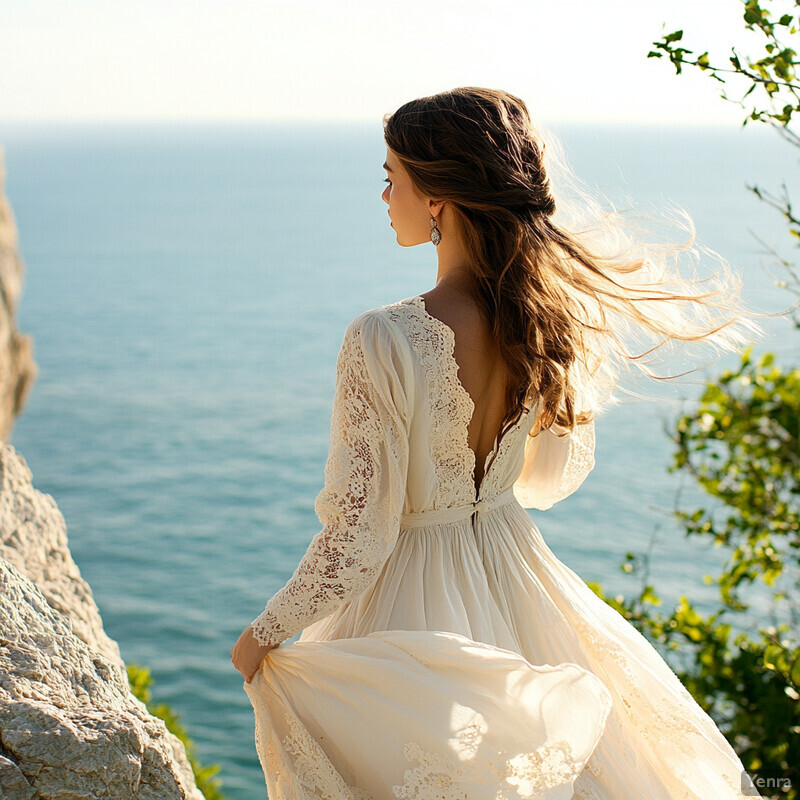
{"points": [[481, 369], [399, 360]]}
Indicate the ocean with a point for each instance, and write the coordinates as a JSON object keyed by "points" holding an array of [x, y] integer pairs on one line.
{"points": [[187, 289]]}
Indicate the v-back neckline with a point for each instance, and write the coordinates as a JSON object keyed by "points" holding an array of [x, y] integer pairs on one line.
{"points": [[450, 336]]}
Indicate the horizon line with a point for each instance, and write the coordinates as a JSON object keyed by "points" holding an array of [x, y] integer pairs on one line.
{"points": [[341, 121]]}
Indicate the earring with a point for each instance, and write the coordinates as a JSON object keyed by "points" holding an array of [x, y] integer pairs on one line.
{"points": [[436, 234]]}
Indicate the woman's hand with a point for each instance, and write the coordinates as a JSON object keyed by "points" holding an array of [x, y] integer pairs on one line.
{"points": [[247, 653]]}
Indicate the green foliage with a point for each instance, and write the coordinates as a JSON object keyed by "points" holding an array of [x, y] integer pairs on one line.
{"points": [[743, 448], [771, 74], [140, 682], [769, 92]]}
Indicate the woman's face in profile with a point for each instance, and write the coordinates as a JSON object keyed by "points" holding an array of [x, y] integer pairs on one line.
{"points": [[408, 210]]}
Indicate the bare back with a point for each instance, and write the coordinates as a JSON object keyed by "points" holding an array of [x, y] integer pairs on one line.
{"points": [[481, 370]]}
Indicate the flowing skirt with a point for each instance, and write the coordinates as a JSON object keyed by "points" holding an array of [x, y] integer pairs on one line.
{"points": [[480, 666], [422, 714]]}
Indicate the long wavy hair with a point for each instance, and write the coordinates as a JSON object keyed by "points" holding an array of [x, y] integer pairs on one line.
{"points": [[561, 281]]}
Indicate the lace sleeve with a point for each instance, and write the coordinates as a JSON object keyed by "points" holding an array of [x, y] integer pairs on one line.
{"points": [[365, 480], [554, 467]]}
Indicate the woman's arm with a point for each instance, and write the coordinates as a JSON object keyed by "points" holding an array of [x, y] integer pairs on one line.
{"points": [[365, 479]]}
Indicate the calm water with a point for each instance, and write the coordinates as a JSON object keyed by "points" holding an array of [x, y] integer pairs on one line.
{"points": [[187, 289]]}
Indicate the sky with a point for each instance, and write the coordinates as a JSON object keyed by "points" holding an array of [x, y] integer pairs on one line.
{"points": [[180, 60]]}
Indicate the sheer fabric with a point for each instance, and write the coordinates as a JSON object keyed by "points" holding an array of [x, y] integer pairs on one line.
{"points": [[445, 652]]}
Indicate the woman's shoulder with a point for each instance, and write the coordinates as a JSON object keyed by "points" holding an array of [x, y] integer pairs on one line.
{"points": [[384, 327], [377, 340], [389, 318]]}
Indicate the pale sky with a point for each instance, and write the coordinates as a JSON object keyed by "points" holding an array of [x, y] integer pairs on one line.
{"points": [[570, 60]]}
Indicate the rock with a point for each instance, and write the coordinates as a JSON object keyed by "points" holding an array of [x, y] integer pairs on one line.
{"points": [[69, 726], [17, 368], [33, 537], [13, 784]]}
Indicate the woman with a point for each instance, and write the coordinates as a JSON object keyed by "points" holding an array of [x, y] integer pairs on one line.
{"points": [[445, 651]]}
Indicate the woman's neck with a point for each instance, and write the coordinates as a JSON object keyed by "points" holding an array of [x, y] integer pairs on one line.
{"points": [[452, 267]]}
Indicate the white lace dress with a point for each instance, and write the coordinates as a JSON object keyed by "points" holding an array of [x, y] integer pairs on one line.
{"points": [[445, 651]]}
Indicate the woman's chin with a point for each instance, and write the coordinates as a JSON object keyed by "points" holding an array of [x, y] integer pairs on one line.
{"points": [[407, 242]]}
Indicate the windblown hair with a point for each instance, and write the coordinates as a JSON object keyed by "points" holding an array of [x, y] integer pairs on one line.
{"points": [[561, 280]]}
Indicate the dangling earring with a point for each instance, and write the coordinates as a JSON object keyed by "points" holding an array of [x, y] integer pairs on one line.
{"points": [[436, 234]]}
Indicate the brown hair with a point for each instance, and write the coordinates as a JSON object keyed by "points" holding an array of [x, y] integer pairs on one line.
{"points": [[558, 297]]}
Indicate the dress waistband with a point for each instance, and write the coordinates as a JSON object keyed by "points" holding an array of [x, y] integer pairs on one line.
{"points": [[441, 516]]}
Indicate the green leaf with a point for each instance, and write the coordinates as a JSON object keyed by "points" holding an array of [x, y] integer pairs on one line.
{"points": [[649, 596], [794, 672], [772, 653], [752, 15]]}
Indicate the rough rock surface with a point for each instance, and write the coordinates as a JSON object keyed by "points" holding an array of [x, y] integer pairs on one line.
{"points": [[33, 537], [69, 727], [17, 368]]}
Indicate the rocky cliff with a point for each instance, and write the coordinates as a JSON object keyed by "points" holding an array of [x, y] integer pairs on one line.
{"points": [[69, 726], [17, 369], [33, 538]]}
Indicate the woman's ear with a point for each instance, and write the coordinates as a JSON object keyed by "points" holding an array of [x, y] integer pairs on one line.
{"points": [[435, 207]]}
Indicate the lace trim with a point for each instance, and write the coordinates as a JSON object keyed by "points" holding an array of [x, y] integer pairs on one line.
{"points": [[361, 502], [267, 629], [529, 775], [312, 767], [432, 779], [451, 406], [532, 773], [580, 461], [451, 409], [492, 490], [436, 776]]}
